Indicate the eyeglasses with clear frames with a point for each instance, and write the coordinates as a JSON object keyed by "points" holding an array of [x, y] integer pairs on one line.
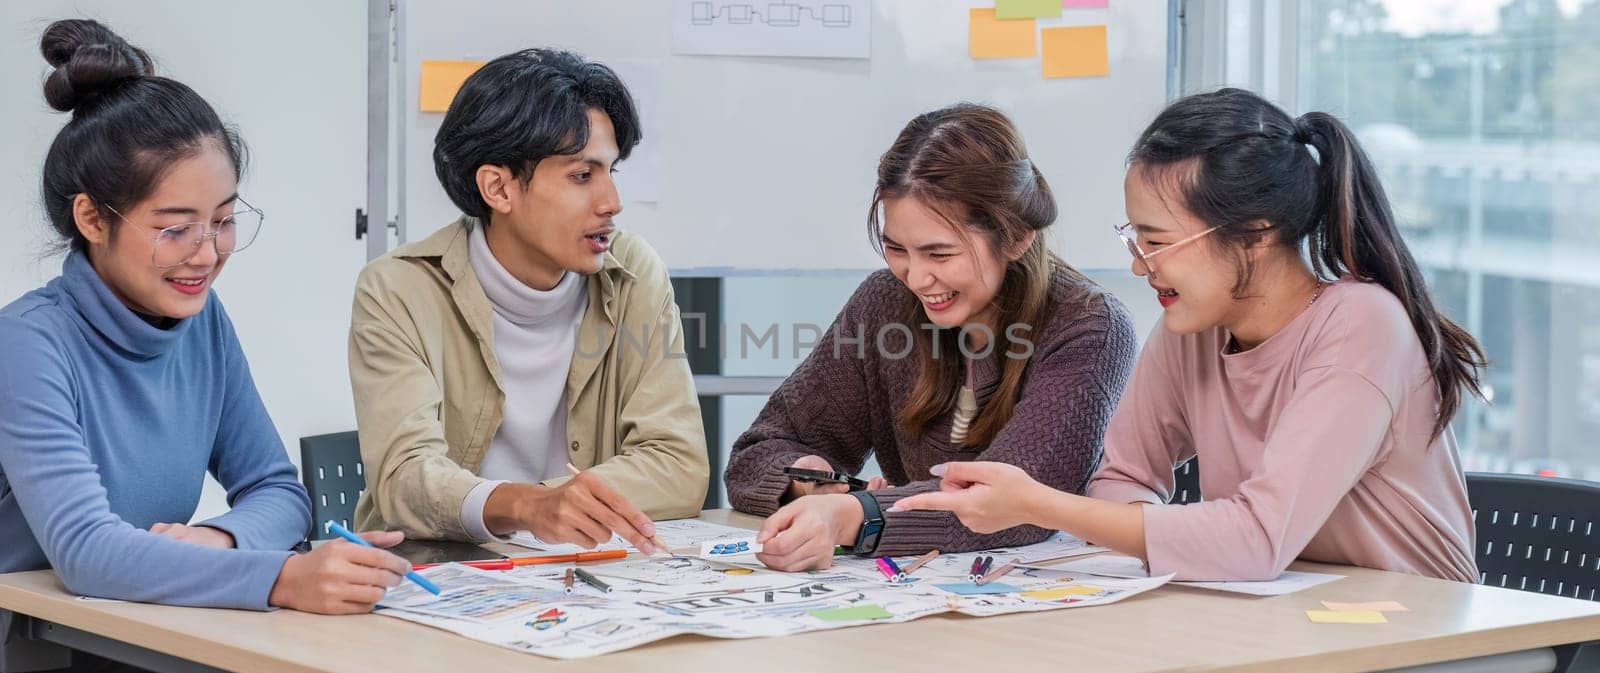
{"points": [[177, 244], [1129, 238]]}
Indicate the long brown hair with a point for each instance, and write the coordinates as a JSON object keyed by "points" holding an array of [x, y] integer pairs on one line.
{"points": [[1240, 160], [967, 163]]}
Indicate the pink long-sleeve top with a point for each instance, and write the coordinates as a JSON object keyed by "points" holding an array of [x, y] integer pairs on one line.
{"points": [[1316, 444]]}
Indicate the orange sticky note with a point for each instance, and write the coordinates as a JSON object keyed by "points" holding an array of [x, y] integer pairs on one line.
{"points": [[1075, 51], [439, 82], [989, 37]]}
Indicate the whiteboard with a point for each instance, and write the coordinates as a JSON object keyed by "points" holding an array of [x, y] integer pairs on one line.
{"points": [[767, 163]]}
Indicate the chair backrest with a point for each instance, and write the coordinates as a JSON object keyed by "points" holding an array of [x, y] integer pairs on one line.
{"points": [[330, 467], [1186, 483], [1537, 533]]}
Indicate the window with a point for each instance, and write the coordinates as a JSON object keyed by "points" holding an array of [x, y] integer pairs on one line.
{"points": [[1483, 117]]}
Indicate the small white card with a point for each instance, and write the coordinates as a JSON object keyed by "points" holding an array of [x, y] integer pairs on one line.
{"points": [[731, 549]]}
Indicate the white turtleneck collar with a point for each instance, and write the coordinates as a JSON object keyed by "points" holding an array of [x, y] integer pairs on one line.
{"points": [[512, 299]]}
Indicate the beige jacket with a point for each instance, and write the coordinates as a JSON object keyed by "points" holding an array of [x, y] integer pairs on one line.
{"points": [[429, 399]]}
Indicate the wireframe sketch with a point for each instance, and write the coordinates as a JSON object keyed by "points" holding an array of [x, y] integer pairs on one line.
{"points": [[800, 28]]}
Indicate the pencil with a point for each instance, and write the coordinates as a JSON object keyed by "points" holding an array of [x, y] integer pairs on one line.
{"points": [[997, 573], [412, 575], [591, 580], [569, 579], [921, 561], [655, 540]]}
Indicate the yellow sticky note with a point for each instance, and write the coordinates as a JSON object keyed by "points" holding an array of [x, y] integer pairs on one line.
{"points": [[1374, 606], [1346, 617], [989, 37], [1063, 592], [439, 82], [1075, 51]]}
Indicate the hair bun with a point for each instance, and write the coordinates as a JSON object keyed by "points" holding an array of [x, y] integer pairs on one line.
{"points": [[89, 61]]}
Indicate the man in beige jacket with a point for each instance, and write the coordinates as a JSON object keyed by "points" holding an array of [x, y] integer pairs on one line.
{"points": [[529, 334]]}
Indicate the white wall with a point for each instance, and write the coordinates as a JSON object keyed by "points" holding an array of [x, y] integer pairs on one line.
{"points": [[291, 74]]}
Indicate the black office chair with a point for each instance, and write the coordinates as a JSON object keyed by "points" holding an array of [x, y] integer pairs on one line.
{"points": [[1537, 533], [1186, 483], [330, 467]]}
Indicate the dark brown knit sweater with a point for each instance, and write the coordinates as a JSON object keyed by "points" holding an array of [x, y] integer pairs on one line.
{"points": [[843, 408]]}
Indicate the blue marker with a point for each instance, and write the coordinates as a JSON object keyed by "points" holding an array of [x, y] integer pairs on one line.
{"points": [[412, 575]]}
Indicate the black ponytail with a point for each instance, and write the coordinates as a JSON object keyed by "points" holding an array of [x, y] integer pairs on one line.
{"points": [[128, 125], [1239, 160]]}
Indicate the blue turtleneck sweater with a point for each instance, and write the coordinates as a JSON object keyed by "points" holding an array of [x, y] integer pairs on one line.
{"points": [[109, 424]]}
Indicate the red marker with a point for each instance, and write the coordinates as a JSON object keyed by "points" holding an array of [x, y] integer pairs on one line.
{"points": [[498, 564]]}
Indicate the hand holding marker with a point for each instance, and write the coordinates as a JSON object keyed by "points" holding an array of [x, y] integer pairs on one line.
{"points": [[345, 533]]}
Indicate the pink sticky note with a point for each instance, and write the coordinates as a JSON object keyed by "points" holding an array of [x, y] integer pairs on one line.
{"points": [[1083, 4]]}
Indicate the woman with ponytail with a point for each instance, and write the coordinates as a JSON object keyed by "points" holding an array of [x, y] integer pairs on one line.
{"points": [[976, 343], [1299, 356], [122, 382]]}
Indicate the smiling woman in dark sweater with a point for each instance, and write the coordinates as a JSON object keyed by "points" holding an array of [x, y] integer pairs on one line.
{"points": [[977, 343]]}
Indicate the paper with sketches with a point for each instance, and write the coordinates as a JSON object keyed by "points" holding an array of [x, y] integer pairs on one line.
{"points": [[678, 534], [1290, 581], [658, 598]]}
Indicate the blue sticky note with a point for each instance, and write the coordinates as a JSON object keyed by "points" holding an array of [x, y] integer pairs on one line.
{"points": [[971, 589]]}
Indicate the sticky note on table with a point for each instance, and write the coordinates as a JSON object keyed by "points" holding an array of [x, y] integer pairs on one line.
{"points": [[440, 80], [1373, 606], [1063, 592], [971, 589], [853, 613], [989, 37], [1083, 4], [1026, 9], [1346, 617], [1075, 51]]}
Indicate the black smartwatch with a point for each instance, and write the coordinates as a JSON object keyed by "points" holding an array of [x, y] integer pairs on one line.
{"points": [[871, 524]]}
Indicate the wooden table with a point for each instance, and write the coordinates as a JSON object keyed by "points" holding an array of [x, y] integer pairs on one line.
{"points": [[1170, 629]]}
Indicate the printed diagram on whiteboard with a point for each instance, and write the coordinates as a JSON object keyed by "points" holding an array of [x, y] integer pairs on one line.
{"points": [[775, 14], [804, 29]]}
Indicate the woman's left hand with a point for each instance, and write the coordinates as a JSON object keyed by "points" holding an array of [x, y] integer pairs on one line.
{"points": [[985, 496], [802, 535], [204, 536]]}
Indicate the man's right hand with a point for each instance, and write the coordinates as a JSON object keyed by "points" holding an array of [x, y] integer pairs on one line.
{"points": [[584, 511]]}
